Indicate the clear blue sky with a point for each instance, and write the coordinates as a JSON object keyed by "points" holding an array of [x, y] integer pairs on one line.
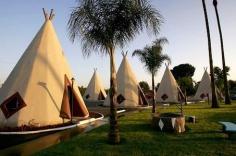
{"points": [[184, 27]]}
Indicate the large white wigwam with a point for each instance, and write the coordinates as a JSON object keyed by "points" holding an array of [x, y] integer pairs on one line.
{"points": [[129, 93], [95, 90], [204, 88], [169, 90], [39, 91]]}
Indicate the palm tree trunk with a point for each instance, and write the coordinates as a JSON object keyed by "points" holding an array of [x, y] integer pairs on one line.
{"points": [[114, 136], [153, 91], [214, 101], [226, 89]]}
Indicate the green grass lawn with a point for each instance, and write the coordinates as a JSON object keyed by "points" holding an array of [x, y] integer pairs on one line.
{"points": [[138, 138]]}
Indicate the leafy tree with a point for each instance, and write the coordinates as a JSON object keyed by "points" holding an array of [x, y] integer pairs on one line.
{"points": [[183, 74], [157, 86], [82, 90], [232, 85], [144, 85], [183, 70], [107, 91], [152, 58], [103, 25], [219, 77], [186, 84], [196, 85]]}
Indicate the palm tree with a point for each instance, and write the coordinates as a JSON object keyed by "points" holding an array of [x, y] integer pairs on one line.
{"points": [[215, 103], [226, 88], [153, 58], [102, 26]]}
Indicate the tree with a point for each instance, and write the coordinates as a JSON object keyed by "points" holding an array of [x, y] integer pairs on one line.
{"points": [[219, 77], [82, 90], [183, 74], [183, 70], [186, 84], [214, 102], [102, 26], [144, 85], [152, 58], [225, 81], [232, 85]]}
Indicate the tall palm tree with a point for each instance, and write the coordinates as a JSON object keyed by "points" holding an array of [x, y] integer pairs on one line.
{"points": [[152, 58], [215, 103], [102, 26], [226, 88]]}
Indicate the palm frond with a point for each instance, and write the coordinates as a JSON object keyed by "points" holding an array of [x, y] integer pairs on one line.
{"points": [[152, 56], [101, 24], [160, 41], [140, 54]]}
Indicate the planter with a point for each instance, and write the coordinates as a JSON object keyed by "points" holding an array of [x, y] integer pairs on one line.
{"points": [[169, 122]]}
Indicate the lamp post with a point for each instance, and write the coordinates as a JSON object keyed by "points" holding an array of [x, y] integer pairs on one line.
{"points": [[226, 89], [214, 101], [72, 100]]}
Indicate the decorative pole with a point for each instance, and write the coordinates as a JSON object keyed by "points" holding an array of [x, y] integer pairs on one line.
{"points": [[72, 100], [214, 101], [226, 88], [185, 97]]}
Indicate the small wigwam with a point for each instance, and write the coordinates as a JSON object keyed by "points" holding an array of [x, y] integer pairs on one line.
{"points": [[204, 89], [95, 90], [169, 91], [129, 92], [40, 89]]}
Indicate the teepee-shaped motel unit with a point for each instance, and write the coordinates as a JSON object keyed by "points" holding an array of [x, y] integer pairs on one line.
{"points": [[204, 88], [129, 93], [39, 91], [95, 90], [169, 90]]}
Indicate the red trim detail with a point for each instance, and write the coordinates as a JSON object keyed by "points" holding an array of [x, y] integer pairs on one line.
{"points": [[9, 112]]}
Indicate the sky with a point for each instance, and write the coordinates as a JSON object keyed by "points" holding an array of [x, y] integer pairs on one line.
{"points": [[184, 27]]}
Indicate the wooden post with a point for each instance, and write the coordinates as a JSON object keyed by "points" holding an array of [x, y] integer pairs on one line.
{"points": [[45, 14], [72, 98], [185, 97], [51, 14], [208, 99], [50, 17]]}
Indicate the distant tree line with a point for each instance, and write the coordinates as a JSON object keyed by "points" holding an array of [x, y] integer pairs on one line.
{"points": [[183, 74]]}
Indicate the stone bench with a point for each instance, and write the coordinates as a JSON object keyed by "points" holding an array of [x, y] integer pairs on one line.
{"points": [[190, 118], [229, 128]]}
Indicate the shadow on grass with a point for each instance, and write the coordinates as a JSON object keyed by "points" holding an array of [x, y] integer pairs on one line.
{"points": [[137, 120], [130, 127], [222, 116]]}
